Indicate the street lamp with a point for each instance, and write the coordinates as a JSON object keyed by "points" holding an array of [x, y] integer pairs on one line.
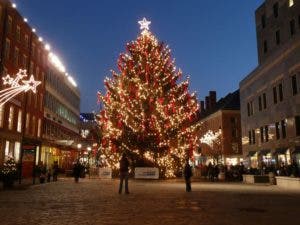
{"points": [[79, 147]]}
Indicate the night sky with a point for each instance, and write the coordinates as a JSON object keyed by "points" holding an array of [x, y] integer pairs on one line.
{"points": [[214, 42]]}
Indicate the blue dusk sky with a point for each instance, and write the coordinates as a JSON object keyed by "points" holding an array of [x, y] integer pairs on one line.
{"points": [[214, 42]]}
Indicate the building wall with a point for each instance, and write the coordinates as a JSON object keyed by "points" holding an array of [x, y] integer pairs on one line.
{"points": [[277, 70], [229, 123], [20, 49]]}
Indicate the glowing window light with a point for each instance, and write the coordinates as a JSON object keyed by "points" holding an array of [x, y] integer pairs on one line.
{"points": [[291, 3]]}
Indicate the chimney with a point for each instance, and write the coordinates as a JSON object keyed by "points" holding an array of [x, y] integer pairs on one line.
{"points": [[212, 99], [207, 103]]}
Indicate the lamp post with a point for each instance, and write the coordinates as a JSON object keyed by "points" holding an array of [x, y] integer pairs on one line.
{"points": [[78, 148]]}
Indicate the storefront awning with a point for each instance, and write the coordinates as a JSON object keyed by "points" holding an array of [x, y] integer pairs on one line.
{"points": [[264, 152], [251, 153], [280, 150]]}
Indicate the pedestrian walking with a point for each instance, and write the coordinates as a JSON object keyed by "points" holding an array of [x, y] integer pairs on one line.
{"points": [[124, 164], [187, 176]]}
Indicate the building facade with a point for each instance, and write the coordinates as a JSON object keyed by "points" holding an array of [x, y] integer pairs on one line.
{"points": [[270, 95], [222, 118], [61, 119], [24, 119]]}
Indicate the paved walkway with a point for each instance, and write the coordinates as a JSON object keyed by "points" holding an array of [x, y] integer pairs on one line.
{"points": [[93, 201]]}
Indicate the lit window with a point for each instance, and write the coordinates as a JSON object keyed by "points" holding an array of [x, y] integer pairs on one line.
{"points": [[6, 148], [19, 126], [39, 128], [17, 151], [1, 115], [11, 118], [27, 123], [291, 3]]}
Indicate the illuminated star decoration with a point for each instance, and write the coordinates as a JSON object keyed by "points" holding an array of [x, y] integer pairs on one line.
{"points": [[144, 25], [7, 80], [16, 87], [31, 84]]}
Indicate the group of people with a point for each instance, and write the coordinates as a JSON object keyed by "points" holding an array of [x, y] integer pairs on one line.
{"points": [[124, 174], [45, 174]]}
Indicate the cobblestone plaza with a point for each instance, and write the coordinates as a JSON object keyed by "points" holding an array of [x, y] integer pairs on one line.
{"points": [[94, 201]]}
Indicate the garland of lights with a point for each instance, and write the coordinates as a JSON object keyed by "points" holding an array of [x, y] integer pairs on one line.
{"points": [[16, 86], [146, 112]]}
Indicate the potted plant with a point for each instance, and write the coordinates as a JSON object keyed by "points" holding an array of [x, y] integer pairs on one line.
{"points": [[8, 173]]}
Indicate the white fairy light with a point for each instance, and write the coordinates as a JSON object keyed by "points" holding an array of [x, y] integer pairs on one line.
{"points": [[14, 5], [25, 20], [47, 47]]}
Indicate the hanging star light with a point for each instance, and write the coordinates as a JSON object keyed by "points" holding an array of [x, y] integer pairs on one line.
{"points": [[144, 25], [16, 87]]}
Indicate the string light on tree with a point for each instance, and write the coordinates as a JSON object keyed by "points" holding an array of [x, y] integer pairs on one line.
{"points": [[148, 111], [17, 85]]}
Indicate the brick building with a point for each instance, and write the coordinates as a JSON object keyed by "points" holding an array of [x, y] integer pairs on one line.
{"points": [[221, 116], [22, 119], [270, 99]]}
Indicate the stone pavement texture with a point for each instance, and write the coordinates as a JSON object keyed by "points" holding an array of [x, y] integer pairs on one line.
{"points": [[94, 201]]}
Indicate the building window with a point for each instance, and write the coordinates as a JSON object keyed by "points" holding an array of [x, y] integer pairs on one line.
{"points": [[283, 128], [19, 125], [6, 151], [11, 118], [297, 125], [18, 33], [267, 133], [291, 3], [249, 137], [277, 130], [17, 151], [9, 25], [264, 100], [251, 108], [233, 127], [263, 21], [248, 108], [24, 63], [7, 49], [16, 57], [39, 128], [280, 90], [33, 50], [294, 85], [277, 35], [253, 136], [275, 95], [1, 115], [26, 41], [33, 126], [265, 47], [31, 67], [27, 123], [299, 21], [259, 103], [292, 27], [262, 134], [275, 10]]}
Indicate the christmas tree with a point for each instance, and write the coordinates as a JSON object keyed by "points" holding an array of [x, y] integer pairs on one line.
{"points": [[147, 112]]}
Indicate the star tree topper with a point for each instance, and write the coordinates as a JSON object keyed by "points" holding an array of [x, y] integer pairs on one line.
{"points": [[144, 25]]}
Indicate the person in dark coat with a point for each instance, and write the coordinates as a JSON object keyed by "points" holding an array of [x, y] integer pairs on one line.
{"points": [[124, 164], [77, 171], [55, 170], [187, 176]]}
